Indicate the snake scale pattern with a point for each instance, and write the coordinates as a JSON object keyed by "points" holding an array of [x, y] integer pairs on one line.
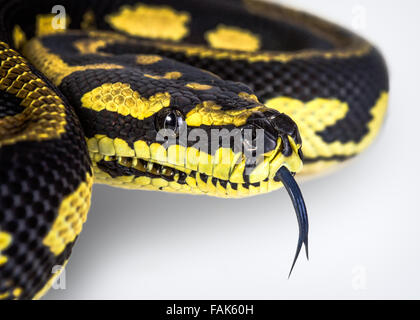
{"points": [[86, 93]]}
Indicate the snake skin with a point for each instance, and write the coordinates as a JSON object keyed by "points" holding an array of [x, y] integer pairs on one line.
{"points": [[313, 86]]}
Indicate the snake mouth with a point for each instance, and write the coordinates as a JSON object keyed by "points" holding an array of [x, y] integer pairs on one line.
{"points": [[218, 179], [121, 168]]}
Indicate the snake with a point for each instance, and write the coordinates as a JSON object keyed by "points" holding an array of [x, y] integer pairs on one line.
{"points": [[222, 98]]}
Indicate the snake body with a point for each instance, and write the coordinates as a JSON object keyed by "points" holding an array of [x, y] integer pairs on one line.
{"points": [[84, 96]]}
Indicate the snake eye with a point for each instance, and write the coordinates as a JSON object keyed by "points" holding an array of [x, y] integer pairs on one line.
{"points": [[171, 120]]}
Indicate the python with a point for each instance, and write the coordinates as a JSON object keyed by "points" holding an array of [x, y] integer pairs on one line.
{"points": [[85, 104]]}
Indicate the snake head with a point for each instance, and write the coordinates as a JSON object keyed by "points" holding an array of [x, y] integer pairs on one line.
{"points": [[212, 137], [229, 152]]}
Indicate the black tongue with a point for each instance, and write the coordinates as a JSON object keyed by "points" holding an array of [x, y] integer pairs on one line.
{"points": [[295, 194]]}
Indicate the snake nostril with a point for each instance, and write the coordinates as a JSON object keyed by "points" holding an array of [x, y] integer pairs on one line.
{"points": [[285, 126], [259, 137], [274, 125]]}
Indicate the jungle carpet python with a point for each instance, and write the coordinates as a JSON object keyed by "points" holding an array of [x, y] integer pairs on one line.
{"points": [[215, 97]]}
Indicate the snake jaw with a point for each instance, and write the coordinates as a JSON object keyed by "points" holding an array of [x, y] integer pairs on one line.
{"points": [[234, 176]]}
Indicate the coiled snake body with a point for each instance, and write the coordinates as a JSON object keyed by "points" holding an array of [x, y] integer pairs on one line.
{"points": [[85, 95]]}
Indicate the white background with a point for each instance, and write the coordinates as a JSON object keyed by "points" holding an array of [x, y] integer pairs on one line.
{"points": [[364, 219]]}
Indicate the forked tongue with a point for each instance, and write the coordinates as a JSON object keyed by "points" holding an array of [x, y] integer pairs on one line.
{"points": [[293, 190]]}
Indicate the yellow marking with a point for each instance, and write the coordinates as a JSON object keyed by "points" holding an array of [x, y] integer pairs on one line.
{"points": [[247, 96], [191, 182], [88, 21], [103, 34], [120, 98], [198, 86], [147, 21], [260, 173], [147, 59], [205, 161], [211, 188], [71, 216], [316, 115], [44, 115], [17, 292], [97, 41], [236, 175], [223, 161], [159, 183], [19, 37], [233, 38], [142, 149], [177, 155], [261, 56], [44, 24], [143, 181], [5, 241], [53, 66], [293, 163], [209, 113], [125, 179], [192, 158], [158, 153], [4, 295], [106, 146], [89, 46], [122, 149], [50, 282], [173, 75], [93, 145]]}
